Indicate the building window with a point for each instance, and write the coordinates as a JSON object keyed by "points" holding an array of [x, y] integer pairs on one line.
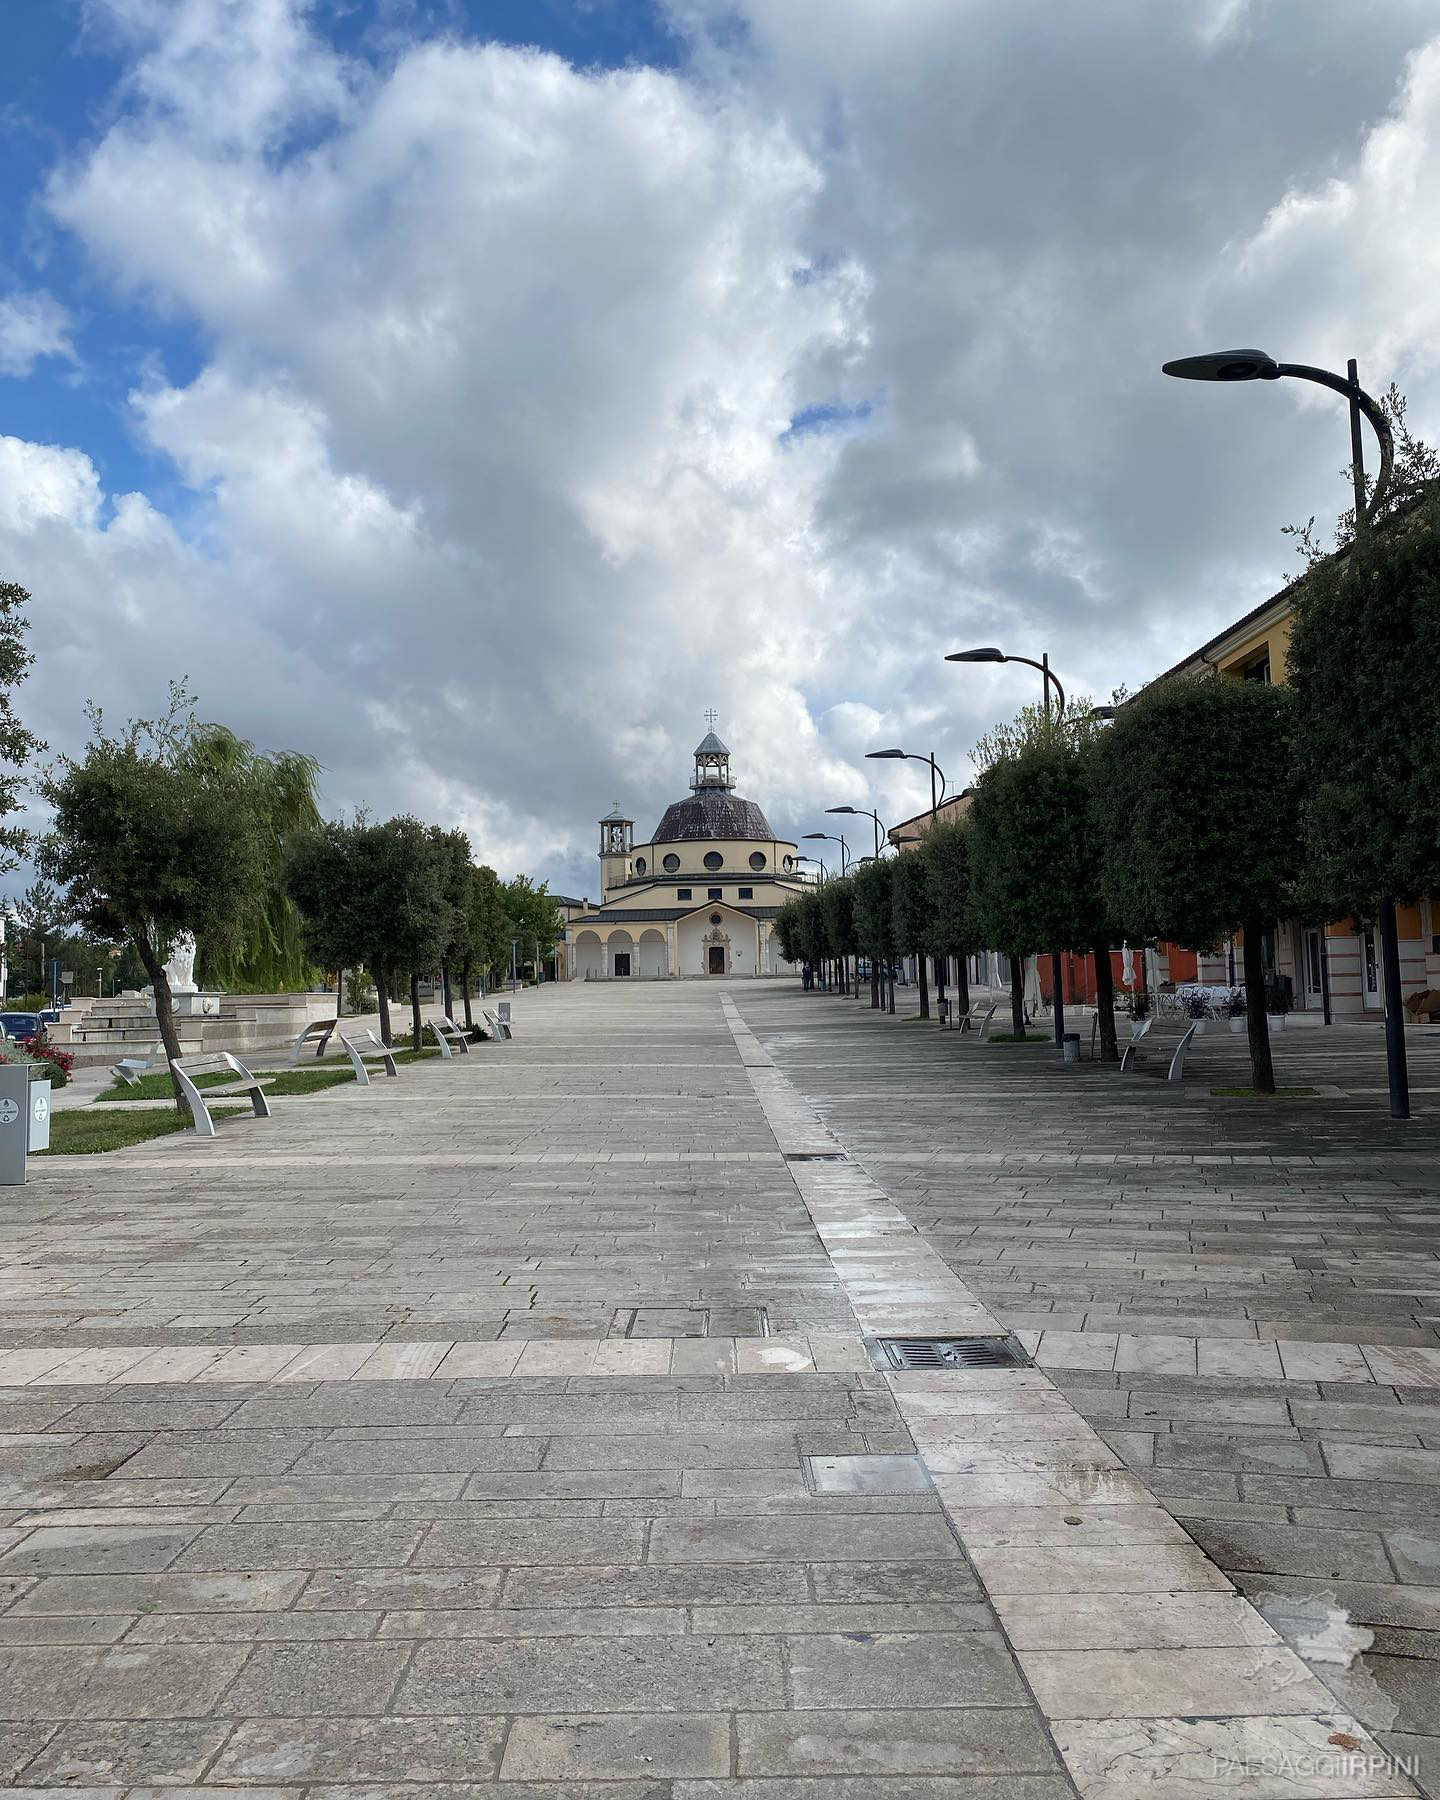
{"points": [[747, 893], [682, 893], [714, 918], [671, 863], [714, 894], [789, 862], [714, 860], [757, 860], [1258, 668], [639, 865]]}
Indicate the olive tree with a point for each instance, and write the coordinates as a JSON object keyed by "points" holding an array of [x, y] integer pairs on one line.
{"points": [[1193, 799]]}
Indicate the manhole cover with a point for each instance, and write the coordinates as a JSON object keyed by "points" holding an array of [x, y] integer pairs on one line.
{"points": [[816, 1156], [954, 1353]]}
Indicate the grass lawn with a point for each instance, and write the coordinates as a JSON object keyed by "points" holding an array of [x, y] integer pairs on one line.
{"points": [[1250, 1093], [286, 1081], [88, 1133]]}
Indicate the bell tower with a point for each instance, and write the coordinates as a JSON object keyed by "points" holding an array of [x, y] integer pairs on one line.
{"points": [[712, 760], [616, 842]]}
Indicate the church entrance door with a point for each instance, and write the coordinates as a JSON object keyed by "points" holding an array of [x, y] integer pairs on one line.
{"points": [[717, 959], [622, 963]]}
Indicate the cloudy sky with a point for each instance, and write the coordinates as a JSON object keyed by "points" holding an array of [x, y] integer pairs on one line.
{"points": [[472, 392]]}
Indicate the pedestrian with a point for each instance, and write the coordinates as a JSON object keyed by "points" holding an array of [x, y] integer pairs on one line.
{"points": [[807, 976]]}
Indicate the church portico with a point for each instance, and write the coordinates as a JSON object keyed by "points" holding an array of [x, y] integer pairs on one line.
{"points": [[699, 899]]}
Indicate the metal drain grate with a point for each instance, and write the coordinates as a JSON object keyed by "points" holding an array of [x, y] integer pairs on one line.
{"points": [[954, 1353], [816, 1156]]}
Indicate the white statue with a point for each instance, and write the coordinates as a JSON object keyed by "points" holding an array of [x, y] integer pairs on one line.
{"points": [[180, 966]]}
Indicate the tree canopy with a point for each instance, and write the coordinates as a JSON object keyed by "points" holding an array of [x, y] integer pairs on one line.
{"points": [[17, 745]]}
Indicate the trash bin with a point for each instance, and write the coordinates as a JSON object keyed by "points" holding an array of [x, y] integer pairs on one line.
{"points": [[1071, 1042], [24, 1120]]}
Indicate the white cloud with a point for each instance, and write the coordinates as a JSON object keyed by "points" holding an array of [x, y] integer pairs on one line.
{"points": [[32, 325], [489, 488]]}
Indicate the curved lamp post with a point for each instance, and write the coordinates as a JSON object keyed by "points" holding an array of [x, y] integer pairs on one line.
{"points": [[937, 774], [830, 838], [1256, 365], [861, 812], [817, 862], [989, 654]]}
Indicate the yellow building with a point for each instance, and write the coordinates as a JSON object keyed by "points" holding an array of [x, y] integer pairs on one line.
{"points": [[1344, 955], [700, 898]]}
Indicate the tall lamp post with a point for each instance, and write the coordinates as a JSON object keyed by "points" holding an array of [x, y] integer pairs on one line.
{"points": [[1256, 365], [937, 774], [989, 654], [829, 837]]}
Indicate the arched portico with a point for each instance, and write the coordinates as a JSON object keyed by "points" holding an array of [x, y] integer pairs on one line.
{"points": [[653, 955], [587, 962], [620, 955]]}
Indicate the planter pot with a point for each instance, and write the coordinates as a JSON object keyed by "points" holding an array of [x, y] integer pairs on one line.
{"points": [[1276, 1021], [1238, 1025]]}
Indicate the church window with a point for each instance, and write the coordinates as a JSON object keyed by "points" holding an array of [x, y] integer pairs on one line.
{"points": [[714, 860], [747, 893], [682, 893], [671, 863], [714, 893], [757, 859], [639, 865], [714, 918]]}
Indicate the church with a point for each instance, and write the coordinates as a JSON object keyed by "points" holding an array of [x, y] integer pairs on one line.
{"points": [[699, 899]]}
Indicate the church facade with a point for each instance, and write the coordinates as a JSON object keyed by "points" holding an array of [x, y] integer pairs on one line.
{"points": [[699, 899]]}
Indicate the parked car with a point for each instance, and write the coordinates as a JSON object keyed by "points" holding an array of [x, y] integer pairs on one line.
{"points": [[21, 1026]]}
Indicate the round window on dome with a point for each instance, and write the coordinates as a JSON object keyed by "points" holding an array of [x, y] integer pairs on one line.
{"points": [[757, 859], [714, 918], [639, 865], [671, 863], [714, 860], [789, 862]]}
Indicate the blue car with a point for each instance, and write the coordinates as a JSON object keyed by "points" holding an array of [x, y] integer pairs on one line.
{"points": [[21, 1026]]}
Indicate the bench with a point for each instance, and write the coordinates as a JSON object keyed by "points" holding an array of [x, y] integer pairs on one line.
{"points": [[449, 1037], [131, 1069], [495, 1026], [1176, 1069], [317, 1032], [361, 1056], [187, 1069], [1424, 1005], [984, 1013]]}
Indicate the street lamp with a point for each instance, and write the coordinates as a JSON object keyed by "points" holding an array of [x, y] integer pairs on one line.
{"points": [[830, 838], [936, 772], [989, 654], [1255, 365], [861, 812], [812, 859]]}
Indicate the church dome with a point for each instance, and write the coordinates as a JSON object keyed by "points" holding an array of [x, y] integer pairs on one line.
{"points": [[712, 812]]}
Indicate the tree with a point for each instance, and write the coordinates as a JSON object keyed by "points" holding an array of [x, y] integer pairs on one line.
{"points": [[152, 843], [489, 925], [814, 944], [837, 907], [452, 851], [270, 955], [17, 745], [1195, 809], [875, 921], [407, 901], [38, 924], [913, 918], [1367, 743], [1006, 880], [533, 918], [945, 852], [327, 881], [788, 930]]}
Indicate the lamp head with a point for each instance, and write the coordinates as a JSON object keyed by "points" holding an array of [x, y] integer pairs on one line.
{"points": [[1225, 365], [1102, 712], [884, 755], [815, 834], [987, 653], [840, 809]]}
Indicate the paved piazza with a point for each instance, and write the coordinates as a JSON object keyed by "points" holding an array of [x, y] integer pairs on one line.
{"points": [[512, 1429]]}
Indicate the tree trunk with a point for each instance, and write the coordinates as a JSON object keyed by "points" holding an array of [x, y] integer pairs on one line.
{"points": [[940, 973], [874, 984], [962, 987], [1105, 1003], [1257, 1025], [416, 1028], [1017, 995], [465, 995], [891, 968], [164, 1011], [382, 997], [446, 1000], [339, 992], [924, 986]]}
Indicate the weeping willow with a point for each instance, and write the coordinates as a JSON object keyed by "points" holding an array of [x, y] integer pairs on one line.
{"points": [[268, 956]]}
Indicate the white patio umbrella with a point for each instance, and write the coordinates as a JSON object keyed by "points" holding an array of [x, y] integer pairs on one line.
{"points": [[1128, 965]]}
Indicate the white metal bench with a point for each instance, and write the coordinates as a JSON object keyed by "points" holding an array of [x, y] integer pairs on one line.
{"points": [[979, 1018], [1176, 1069], [362, 1057], [318, 1032], [131, 1069], [211, 1063], [449, 1037], [495, 1026]]}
